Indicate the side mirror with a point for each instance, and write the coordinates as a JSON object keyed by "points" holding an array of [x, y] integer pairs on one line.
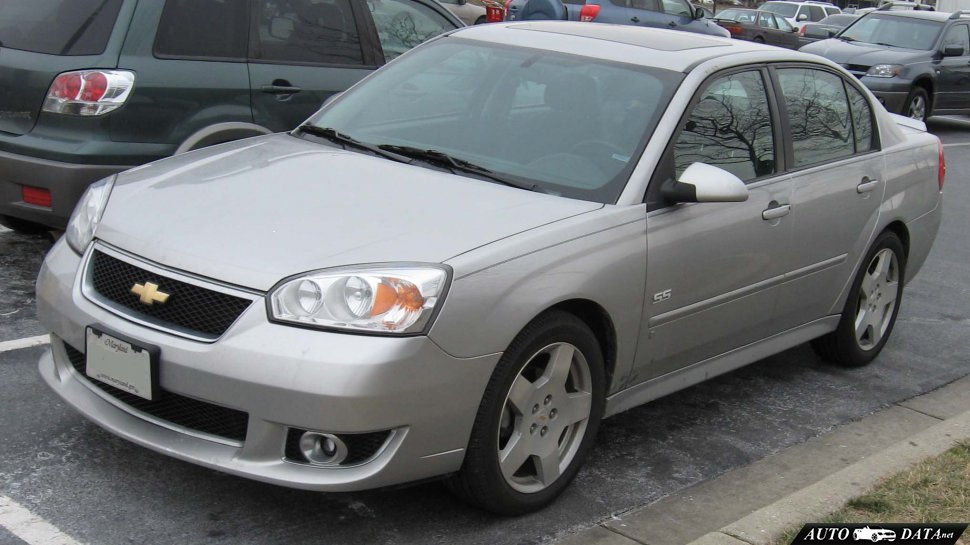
{"points": [[698, 12], [831, 33], [802, 17], [953, 51], [705, 183], [460, 2], [280, 28]]}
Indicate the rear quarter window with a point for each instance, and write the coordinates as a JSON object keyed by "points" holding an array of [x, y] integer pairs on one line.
{"points": [[58, 27]]}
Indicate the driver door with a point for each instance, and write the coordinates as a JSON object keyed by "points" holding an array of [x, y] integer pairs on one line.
{"points": [[714, 269]]}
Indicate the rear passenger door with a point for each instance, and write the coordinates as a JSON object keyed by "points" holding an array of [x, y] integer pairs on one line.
{"points": [[303, 51], [953, 79], [837, 188]]}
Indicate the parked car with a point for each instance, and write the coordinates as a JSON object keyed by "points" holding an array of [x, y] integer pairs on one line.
{"points": [[469, 13], [799, 13], [824, 29], [758, 26], [673, 14], [445, 271], [93, 87], [916, 62]]}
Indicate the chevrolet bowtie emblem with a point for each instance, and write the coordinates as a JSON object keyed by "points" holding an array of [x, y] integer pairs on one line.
{"points": [[148, 293]]}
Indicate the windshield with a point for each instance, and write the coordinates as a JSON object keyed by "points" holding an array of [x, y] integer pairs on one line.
{"points": [[57, 27], [785, 10], [732, 14], [562, 124], [894, 31], [838, 20]]}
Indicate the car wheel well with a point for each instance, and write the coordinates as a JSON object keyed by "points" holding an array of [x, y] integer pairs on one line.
{"points": [[599, 321], [899, 228], [927, 86], [219, 134]]}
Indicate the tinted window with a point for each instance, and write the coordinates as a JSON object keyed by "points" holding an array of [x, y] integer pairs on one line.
{"points": [[676, 7], [832, 11], [766, 20], [649, 5], [818, 113], [815, 13], [403, 24], [785, 10], [958, 35], [728, 15], [58, 27], [894, 31], [730, 127], [203, 28], [783, 24], [861, 120], [307, 31]]}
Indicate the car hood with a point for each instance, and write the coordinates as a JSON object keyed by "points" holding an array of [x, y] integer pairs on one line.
{"points": [[253, 212], [864, 54]]}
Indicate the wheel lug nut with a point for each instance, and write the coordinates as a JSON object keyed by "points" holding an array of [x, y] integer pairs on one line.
{"points": [[543, 431], [535, 408], [532, 428], [553, 413], [547, 400]]}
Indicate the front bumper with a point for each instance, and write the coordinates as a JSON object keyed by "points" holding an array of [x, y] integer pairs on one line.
{"points": [[891, 92], [282, 377]]}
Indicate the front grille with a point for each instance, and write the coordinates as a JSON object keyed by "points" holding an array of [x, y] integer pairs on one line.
{"points": [[200, 311], [857, 70], [361, 447], [171, 407]]}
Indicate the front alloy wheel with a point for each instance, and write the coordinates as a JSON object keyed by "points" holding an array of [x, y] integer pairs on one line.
{"points": [[537, 419]]}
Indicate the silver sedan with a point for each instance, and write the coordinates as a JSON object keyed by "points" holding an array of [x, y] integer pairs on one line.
{"points": [[465, 262]]}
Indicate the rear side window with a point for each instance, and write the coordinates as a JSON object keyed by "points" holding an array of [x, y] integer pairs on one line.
{"points": [[649, 5], [676, 7], [208, 29], [308, 31], [403, 24], [58, 27], [730, 127], [818, 115], [815, 13], [861, 120]]}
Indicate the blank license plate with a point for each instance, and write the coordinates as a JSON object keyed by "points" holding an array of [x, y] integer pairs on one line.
{"points": [[121, 364]]}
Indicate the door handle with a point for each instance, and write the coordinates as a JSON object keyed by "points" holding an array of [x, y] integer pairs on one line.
{"points": [[866, 185], [776, 211], [280, 89], [635, 19], [672, 24]]}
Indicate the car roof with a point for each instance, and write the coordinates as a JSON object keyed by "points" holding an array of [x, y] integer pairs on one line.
{"points": [[668, 49], [914, 14]]}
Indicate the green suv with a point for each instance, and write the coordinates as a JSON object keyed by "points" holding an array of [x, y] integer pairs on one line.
{"points": [[92, 87]]}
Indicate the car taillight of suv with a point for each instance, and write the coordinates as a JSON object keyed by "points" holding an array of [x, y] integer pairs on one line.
{"points": [[89, 92]]}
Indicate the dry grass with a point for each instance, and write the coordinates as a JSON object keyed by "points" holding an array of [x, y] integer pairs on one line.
{"points": [[935, 490]]}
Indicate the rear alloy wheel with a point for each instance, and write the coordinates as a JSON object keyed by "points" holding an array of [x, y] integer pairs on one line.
{"points": [[758, 40], [871, 308], [917, 105], [537, 420]]}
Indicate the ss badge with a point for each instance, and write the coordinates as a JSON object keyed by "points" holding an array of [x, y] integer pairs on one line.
{"points": [[661, 296]]}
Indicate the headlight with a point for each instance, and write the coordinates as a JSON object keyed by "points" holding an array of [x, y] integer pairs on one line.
{"points": [[87, 214], [380, 299], [885, 70]]}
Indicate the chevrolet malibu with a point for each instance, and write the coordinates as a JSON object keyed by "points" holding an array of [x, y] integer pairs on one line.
{"points": [[460, 266]]}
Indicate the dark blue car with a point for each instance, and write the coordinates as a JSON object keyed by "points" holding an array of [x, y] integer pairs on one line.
{"points": [[673, 14]]}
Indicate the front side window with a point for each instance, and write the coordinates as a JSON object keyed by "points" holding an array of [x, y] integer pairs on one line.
{"points": [[730, 127], [815, 13], [213, 29], [307, 31], [676, 7], [403, 24], [58, 27], [958, 36], [766, 20], [783, 24], [568, 125], [818, 115]]}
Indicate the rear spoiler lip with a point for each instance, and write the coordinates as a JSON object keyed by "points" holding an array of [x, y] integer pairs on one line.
{"points": [[908, 122]]}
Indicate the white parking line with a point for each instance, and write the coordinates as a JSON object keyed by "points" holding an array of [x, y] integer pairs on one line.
{"points": [[17, 344], [956, 145], [30, 527]]}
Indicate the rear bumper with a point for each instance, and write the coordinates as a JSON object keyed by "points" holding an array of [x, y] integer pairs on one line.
{"points": [[66, 182]]}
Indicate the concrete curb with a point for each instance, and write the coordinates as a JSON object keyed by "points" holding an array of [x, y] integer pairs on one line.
{"points": [[766, 525]]}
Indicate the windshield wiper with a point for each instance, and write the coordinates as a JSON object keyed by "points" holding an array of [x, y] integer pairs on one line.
{"points": [[845, 38], [336, 136], [454, 163]]}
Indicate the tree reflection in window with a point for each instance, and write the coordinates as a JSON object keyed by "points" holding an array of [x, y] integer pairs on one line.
{"points": [[730, 128], [821, 129]]}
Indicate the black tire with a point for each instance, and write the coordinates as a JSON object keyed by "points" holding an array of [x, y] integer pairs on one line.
{"points": [[917, 101], [843, 346], [481, 20], [480, 480], [758, 40], [24, 227]]}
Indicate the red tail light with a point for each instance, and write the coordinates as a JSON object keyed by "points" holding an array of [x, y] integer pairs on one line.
{"points": [[37, 196], [734, 29], [589, 13], [89, 92], [942, 166], [801, 31], [494, 14]]}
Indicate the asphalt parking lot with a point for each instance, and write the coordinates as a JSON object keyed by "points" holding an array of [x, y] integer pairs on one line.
{"points": [[99, 489]]}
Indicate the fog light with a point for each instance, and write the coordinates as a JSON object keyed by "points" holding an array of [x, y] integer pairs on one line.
{"points": [[322, 448]]}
